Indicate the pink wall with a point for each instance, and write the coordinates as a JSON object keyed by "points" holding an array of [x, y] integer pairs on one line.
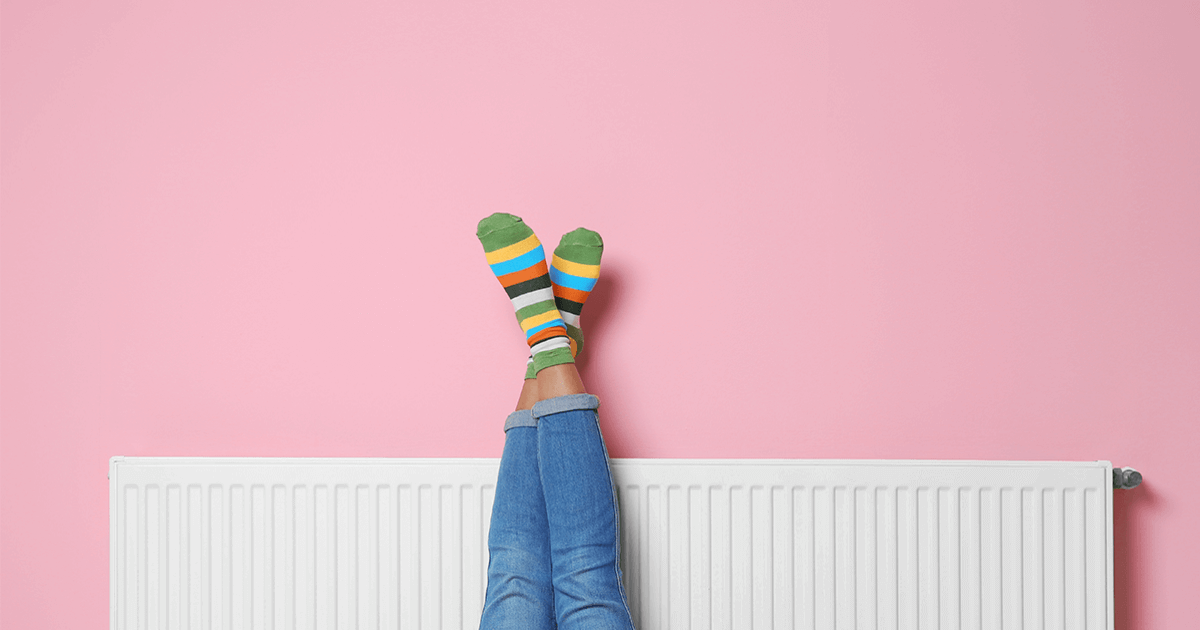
{"points": [[952, 230]]}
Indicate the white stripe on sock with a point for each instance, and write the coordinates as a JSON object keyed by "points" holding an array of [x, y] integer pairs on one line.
{"points": [[550, 344], [533, 297]]}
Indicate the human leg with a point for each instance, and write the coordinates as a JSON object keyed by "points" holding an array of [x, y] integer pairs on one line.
{"points": [[519, 591], [581, 505], [576, 519]]}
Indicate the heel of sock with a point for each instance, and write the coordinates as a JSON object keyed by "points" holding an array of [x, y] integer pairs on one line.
{"points": [[576, 336]]}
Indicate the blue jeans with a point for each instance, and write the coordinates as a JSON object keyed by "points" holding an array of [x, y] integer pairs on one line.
{"points": [[554, 543]]}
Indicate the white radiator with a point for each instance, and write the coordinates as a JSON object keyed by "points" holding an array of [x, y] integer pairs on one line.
{"points": [[737, 544]]}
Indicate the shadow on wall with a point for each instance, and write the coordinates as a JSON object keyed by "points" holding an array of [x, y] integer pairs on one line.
{"points": [[602, 311], [598, 314], [1131, 510]]}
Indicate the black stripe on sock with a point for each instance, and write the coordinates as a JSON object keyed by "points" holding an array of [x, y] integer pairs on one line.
{"points": [[568, 306], [529, 286]]}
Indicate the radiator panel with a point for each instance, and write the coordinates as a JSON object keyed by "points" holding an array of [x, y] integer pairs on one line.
{"points": [[736, 544]]}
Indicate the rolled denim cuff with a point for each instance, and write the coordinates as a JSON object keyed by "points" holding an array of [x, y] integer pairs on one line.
{"points": [[559, 404], [520, 418]]}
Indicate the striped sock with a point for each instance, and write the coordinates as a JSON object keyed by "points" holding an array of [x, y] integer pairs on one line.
{"points": [[573, 273], [516, 257]]}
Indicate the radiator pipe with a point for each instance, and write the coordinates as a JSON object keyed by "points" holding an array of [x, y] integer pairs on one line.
{"points": [[1126, 478]]}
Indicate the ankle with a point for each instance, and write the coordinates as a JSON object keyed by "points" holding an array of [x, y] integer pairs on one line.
{"points": [[559, 380]]}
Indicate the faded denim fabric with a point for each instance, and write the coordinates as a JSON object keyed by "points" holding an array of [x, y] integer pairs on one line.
{"points": [[554, 540]]}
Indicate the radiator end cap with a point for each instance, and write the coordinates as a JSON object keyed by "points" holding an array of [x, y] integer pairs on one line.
{"points": [[1126, 478]]}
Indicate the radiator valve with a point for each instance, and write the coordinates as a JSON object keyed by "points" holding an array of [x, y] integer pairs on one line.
{"points": [[1126, 478]]}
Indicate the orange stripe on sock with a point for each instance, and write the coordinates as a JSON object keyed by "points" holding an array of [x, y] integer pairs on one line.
{"points": [[575, 295], [553, 331], [528, 273]]}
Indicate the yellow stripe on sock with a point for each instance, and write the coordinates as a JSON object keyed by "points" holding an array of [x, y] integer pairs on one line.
{"points": [[512, 251], [539, 319], [576, 269]]}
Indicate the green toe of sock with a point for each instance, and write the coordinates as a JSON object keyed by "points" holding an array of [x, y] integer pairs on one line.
{"points": [[582, 237], [497, 222], [582, 246], [501, 230]]}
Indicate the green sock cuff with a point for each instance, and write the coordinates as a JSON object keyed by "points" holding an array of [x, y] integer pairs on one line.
{"points": [[529, 371], [550, 358]]}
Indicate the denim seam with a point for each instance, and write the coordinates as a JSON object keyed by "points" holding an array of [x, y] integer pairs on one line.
{"points": [[617, 528]]}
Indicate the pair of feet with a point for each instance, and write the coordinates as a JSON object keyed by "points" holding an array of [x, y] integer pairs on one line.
{"points": [[548, 299]]}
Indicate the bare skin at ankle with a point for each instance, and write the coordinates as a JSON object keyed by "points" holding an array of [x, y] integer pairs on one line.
{"points": [[559, 380], [529, 394]]}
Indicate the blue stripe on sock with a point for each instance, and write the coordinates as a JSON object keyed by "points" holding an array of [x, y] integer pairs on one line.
{"points": [[524, 261], [537, 329], [564, 279]]}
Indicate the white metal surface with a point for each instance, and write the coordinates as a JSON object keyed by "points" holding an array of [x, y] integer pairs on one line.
{"points": [[737, 544]]}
